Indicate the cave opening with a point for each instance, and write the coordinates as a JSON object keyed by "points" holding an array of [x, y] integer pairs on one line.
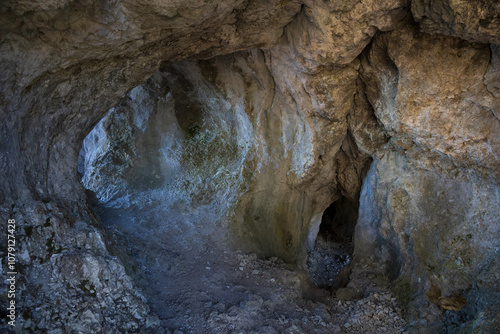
{"points": [[161, 171], [290, 125], [165, 171], [333, 245]]}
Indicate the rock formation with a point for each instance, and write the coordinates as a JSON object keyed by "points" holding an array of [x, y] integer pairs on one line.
{"points": [[391, 106]]}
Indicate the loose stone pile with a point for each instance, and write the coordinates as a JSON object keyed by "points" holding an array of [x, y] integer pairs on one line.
{"points": [[327, 260]]}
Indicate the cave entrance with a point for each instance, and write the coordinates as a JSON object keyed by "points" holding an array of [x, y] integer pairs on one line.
{"points": [[163, 171], [167, 167], [331, 245]]}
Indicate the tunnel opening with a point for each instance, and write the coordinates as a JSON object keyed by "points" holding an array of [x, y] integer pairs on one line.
{"points": [[165, 171], [333, 245]]}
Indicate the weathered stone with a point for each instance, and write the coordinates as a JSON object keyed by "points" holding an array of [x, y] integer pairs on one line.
{"points": [[334, 33], [492, 78], [425, 108], [63, 65], [472, 20], [429, 202], [348, 294]]}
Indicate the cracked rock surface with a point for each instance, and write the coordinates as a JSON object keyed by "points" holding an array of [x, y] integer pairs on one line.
{"points": [[391, 106]]}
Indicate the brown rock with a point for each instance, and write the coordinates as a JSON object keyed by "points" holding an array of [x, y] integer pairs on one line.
{"points": [[475, 21], [424, 106]]}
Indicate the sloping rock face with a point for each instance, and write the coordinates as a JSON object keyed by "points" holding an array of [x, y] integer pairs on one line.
{"points": [[309, 110], [475, 21], [430, 201]]}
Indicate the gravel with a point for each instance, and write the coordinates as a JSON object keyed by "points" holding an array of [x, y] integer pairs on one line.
{"points": [[206, 287]]}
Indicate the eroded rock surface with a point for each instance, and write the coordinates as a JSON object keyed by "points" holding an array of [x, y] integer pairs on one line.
{"points": [[436, 185], [421, 100], [475, 21], [64, 64]]}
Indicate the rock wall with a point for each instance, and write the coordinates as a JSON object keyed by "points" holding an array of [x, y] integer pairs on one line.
{"points": [[429, 205], [475, 21], [222, 135], [421, 100], [296, 97], [63, 65], [437, 235]]}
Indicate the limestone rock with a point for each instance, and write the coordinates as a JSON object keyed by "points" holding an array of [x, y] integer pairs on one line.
{"points": [[422, 100], [336, 32], [182, 146], [492, 77], [475, 21], [428, 202], [426, 108], [423, 224], [63, 65]]}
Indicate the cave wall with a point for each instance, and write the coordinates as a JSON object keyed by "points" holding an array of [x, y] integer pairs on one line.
{"points": [[297, 97], [424, 107], [63, 65], [429, 205], [224, 133], [432, 233]]}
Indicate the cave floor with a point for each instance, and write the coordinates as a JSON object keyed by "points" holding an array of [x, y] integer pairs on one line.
{"points": [[195, 283]]}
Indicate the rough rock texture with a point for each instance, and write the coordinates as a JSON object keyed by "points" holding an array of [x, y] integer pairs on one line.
{"points": [[472, 20], [66, 261], [430, 202], [60, 71], [116, 45], [221, 134], [329, 34], [425, 108], [299, 120], [438, 113], [435, 234]]}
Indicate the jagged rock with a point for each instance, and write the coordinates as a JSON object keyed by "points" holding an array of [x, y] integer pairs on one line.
{"points": [[475, 21], [428, 203], [424, 106]]}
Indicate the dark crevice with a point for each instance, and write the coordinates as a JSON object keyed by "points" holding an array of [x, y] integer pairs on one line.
{"points": [[334, 246]]}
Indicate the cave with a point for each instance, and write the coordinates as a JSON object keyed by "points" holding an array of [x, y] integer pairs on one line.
{"points": [[166, 171], [333, 245], [338, 221], [249, 166]]}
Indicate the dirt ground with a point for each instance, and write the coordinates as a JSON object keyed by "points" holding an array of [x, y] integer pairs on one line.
{"points": [[196, 284]]}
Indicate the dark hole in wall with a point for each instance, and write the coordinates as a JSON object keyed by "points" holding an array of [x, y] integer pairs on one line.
{"points": [[333, 247], [339, 220]]}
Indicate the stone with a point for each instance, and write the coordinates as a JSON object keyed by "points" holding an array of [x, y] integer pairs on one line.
{"points": [[307, 103], [348, 294], [475, 21], [422, 143]]}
